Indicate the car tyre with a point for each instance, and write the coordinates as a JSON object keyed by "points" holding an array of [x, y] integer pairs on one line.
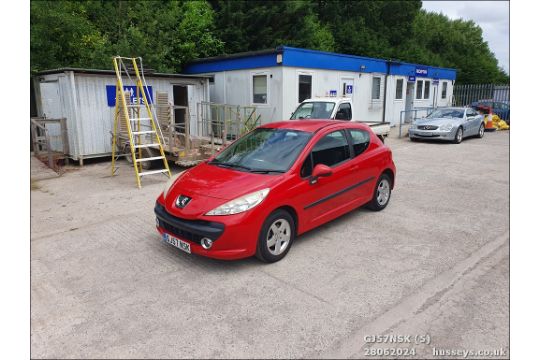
{"points": [[413, 139], [381, 194], [459, 136], [481, 131], [276, 236]]}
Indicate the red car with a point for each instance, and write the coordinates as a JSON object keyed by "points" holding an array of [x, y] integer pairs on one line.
{"points": [[273, 184]]}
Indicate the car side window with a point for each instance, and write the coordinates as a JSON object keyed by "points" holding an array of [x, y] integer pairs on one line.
{"points": [[344, 112], [331, 150], [360, 141], [471, 112]]}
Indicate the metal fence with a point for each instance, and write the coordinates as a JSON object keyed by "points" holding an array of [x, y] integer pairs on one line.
{"points": [[49, 140], [467, 94]]}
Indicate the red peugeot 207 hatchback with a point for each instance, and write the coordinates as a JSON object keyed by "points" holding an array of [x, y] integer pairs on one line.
{"points": [[273, 184]]}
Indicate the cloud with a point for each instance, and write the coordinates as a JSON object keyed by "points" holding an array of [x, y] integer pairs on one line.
{"points": [[492, 16]]}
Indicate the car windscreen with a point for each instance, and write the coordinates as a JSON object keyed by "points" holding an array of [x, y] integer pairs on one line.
{"points": [[314, 110], [264, 151], [446, 113]]}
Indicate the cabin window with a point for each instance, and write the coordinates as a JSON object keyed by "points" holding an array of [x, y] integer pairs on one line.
{"points": [[376, 88], [399, 89], [304, 87], [260, 89]]}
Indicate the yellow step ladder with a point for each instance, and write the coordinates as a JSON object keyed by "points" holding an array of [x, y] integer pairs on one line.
{"points": [[129, 107]]}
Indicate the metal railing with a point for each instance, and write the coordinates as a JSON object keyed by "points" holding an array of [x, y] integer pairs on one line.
{"points": [[222, 123], [49, 140]]}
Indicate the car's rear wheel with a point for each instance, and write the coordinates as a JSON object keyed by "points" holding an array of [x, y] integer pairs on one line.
{"points": [[481, 131], [459, 135], [276, 236], [382, 193]]}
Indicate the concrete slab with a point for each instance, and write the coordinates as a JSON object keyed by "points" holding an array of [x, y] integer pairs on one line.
{"points": [[434, 262]]}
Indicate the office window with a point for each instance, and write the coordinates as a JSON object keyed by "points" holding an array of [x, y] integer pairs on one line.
{"points": [[443, 92], [376, 88], [427, 87], [304, 87], [260, 91], [419, 88], [399, 89]]}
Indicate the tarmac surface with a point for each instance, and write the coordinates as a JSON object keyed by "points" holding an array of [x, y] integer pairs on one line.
{"points": [[433, 265]]}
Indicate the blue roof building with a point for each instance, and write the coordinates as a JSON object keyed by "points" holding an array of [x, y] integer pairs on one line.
{"points": [[277, 80]]}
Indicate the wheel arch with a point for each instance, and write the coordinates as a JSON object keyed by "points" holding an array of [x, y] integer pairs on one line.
{"points": [[293, 214], [390, 174]]}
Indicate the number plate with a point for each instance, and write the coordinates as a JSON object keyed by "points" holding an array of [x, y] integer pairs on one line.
{"points": [[180, 244], [424, 133]]}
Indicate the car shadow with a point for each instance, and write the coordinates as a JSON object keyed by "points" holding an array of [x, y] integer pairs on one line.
{"points": [[205, 264], [442, 142]]}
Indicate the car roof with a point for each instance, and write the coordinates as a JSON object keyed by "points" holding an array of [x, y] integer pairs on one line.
{"points": [[331, 99], [313, 125]]}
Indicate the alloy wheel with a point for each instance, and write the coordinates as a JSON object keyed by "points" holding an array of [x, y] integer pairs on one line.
{"points": [[383, 192], [459, 135], [278, 236]]}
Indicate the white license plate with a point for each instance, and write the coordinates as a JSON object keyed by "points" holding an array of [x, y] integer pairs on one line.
{"points": [[424, 133], [180, 244]]}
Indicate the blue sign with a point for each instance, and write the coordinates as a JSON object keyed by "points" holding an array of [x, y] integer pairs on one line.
{"points": [[412, 78], [111, 95], [333, 92], [421, 71], [348, 89]]}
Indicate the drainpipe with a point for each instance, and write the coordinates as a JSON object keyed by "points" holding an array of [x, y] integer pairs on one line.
{"points": [[388, 63]]}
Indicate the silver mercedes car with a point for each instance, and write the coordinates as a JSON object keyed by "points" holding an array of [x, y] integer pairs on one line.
{"points": [[451, 124]]}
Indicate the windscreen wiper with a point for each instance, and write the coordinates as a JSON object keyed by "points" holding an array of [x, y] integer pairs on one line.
{"points": [[265, 171], [231, 165]]}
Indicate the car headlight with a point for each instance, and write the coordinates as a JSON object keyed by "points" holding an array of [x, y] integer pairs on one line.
{"points": [[447, 127], [170, 183], [241, 204]]}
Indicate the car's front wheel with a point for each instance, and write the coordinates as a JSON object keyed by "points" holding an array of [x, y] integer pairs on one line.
{"points": [[276, 236], [459, 135], [381, 195]]}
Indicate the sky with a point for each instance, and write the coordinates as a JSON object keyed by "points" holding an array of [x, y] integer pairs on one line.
{"points": [[492, 16]]}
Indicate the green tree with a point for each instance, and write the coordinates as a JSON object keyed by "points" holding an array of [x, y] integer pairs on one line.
{"points": [[254, 25], [368, 28], [458, 44], [62, 35], [166, 34]]}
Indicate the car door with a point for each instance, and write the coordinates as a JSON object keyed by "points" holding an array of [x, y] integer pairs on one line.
{"points": [[363, 165], [472, 122], [319, 198]]}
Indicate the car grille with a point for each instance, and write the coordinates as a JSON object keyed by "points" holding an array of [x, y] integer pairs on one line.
{"points": [[427, 127], [182, 233], [190, 230]]}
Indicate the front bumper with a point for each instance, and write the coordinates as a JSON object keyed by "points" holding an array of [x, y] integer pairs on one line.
{"points": [[234, 236], [433, 134]]}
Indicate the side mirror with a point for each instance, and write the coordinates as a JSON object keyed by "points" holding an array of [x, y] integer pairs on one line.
{"points": [[320, 170]]}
